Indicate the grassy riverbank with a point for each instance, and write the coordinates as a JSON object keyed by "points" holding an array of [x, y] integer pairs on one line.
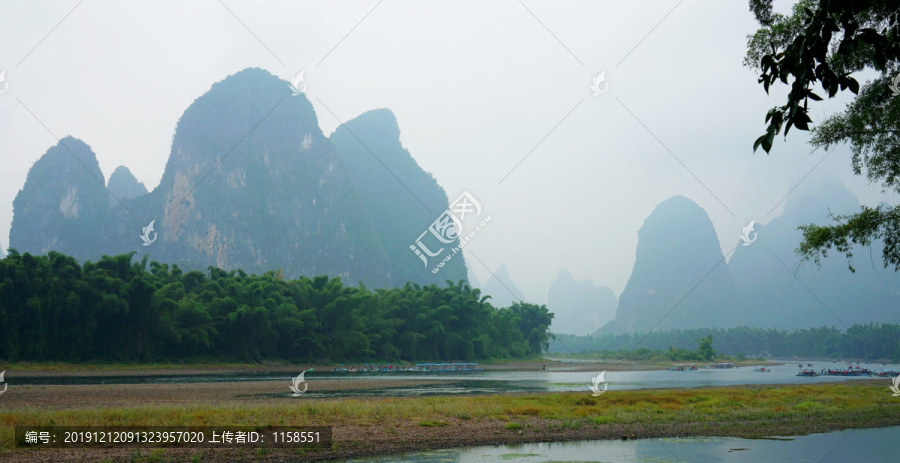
{"points": [[378, 426]]}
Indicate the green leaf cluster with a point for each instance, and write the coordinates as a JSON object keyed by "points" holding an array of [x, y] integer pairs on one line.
{"points": [[821, 43]]}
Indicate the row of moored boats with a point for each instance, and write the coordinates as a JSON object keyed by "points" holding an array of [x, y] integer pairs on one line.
{"points": [[456, 367], [712, 366], [808, 371], [849, 371]]}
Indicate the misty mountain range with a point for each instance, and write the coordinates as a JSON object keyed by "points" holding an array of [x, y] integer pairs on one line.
{"points": [[252, 183], [579, 307], [774, 291], [682, 280]]}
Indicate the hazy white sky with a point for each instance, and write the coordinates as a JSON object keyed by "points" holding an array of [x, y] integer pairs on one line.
{"points": [[475, 86]]}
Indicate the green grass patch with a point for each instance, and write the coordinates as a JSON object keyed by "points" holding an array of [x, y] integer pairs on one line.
{"points": [[795, 407], [432, 424]]}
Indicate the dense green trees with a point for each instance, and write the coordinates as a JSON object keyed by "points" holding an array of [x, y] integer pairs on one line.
{"points": [[705, 349], [52, 308], [872, 341], [704, 352], [823, 43]]}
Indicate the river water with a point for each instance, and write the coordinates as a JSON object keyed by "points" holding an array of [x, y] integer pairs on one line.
{"points": [[855, 445], [559, 378]]}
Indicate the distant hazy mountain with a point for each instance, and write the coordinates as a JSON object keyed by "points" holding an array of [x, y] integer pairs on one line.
{"points": [[473, 280], [402, 199], [579, 307], [123, 185], [63, 205], [251, 183], [832, 295], [680, 279], [501, 288]]}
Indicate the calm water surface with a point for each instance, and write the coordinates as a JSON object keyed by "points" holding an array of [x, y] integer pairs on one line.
{"points": [[482, 382], [858, 445]]}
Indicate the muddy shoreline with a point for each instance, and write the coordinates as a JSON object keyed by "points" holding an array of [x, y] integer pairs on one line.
{"points": [[89, 370]]}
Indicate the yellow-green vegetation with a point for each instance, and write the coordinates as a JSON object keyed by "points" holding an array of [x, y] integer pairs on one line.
{"points": [[433, 424], [746, 411]]}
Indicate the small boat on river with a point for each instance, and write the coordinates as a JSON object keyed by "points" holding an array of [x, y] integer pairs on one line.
{"points": [[719, 366], [683, 368]]}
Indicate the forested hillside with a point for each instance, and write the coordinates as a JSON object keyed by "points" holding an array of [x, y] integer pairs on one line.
{"points": [[53, 308], [869, 341]]}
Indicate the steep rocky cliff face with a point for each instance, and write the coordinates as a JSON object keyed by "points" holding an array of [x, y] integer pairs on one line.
{"points": [[63, 203], [276, 198], [680, 279], [251, 183], [401, 198]]}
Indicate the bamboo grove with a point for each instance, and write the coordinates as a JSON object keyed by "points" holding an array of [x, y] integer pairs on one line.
{"points": [[54, 309]]}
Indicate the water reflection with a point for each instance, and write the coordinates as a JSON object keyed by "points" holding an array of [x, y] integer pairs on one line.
{"points": [[481, 382], [864, 445]]}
